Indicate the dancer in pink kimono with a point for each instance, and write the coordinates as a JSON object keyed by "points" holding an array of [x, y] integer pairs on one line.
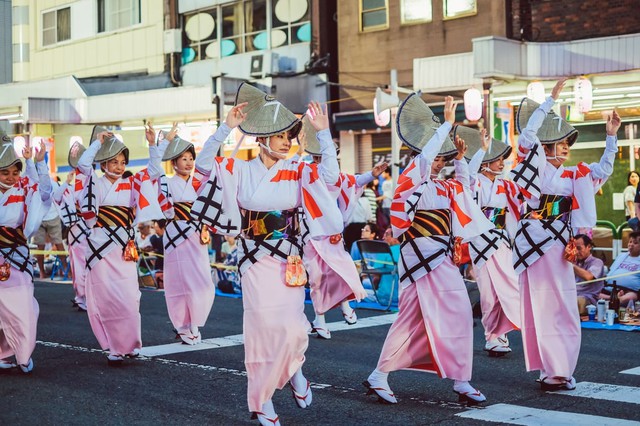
{"points": [[188, 287], [109, 206], [333, 277], [557, 198], [67, 198], [434, 329], [24, 201], [491, 252], [259, 199]]}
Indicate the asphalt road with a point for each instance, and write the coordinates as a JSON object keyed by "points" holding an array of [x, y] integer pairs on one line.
{"points": [[72, 384]]}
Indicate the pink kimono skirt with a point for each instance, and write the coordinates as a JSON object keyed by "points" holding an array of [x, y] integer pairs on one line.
{"points": [[550, 320], [332, 274], [18, 316], [188, 287], [275, 329], [113, 304], [434, 328], [78, 262], [499, 294]]}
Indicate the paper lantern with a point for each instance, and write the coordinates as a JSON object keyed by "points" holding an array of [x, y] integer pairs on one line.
{"points": [[473, 104], [583, 92], [535, 91], [382, 118]]}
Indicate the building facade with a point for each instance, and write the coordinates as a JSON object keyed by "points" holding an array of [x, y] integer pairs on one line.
{"points": [[77, 63], [443, 47]]}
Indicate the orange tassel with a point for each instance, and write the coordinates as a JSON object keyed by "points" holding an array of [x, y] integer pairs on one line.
{"points": [[296, 275], [335, 239], [5, 271], [461, 254], [570, 252], [131, 252], [205, 237]]}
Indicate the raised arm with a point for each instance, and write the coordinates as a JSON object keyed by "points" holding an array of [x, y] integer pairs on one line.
{"points": [[44, 181], [85, 162], [204, 161], [328, 167], [529, 137], [604, 168], [156, 151], [460, 164], [432, 148]]}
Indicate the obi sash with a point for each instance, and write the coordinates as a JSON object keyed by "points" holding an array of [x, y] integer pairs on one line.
{"points": [[182, 211], [551, 207], [12, 237], [497, 215], [428, 223], [114, 217], [271, 225]]}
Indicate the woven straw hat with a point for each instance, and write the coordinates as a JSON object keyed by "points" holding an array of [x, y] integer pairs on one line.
{"points": [[473, 139], [8, 155], [110, 148], [417, 124], [177, 147], [265, 115], [554, 128], [76, 151], [310, 132]]}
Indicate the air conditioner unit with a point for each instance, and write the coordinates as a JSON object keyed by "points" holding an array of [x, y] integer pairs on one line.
{"points": [[263, 64]]}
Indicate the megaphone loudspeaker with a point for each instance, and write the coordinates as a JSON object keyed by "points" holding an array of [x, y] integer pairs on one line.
{"points": [[385, 100]]}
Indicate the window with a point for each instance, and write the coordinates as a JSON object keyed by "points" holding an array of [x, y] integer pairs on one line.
{"points": [[241, 27], [459, 8], [415, 11], [374, 15], [116, 14], [56, 26]]}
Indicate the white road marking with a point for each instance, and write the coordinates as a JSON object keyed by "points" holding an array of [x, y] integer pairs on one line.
{"points": [[635, 371], [237, 339], [605, 391], [518, 415]]}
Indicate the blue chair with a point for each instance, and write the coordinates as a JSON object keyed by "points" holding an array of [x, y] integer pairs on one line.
{"points": [[57, 266], [379, 265]]}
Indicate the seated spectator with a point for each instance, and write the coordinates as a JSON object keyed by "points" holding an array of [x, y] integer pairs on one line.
{"points": [[358, 218], [368, 232], [587, 268], [229, 279], [143, 233], [227, 247], [626, 262], [157, 249], [394, 243], [50, 230]]}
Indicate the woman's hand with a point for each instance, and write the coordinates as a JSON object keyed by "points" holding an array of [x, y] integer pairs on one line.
{"points": [[150, 134], [70, 178], [27, 152], [555, 92], [319, 118], [173, 132], [379, 168], [236, 116], [450, 110], [613, 123], [460, 146], [40, 153], [486, 140]]}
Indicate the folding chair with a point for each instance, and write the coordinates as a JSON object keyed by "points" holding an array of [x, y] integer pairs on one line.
{"points": [[147, 279], [380, 267], [57, 266]]}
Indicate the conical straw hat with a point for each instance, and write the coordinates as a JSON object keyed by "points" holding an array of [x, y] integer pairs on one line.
{"points": [[177, 147], [265, 115], [76, 151], [417, 124], [554, 128], [311, 135], [110, 148], [8, 155], [473, 140]]}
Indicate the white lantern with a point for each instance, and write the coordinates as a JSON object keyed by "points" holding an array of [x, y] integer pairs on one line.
{"points": [[535, 91], [473, 104], [75, 139], [583, 92], [19, 142]]}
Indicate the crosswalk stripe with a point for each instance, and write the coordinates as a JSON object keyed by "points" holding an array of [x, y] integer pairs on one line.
{"points": [[237, 339], [518, 415], [605, 391], [635, 371]]}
